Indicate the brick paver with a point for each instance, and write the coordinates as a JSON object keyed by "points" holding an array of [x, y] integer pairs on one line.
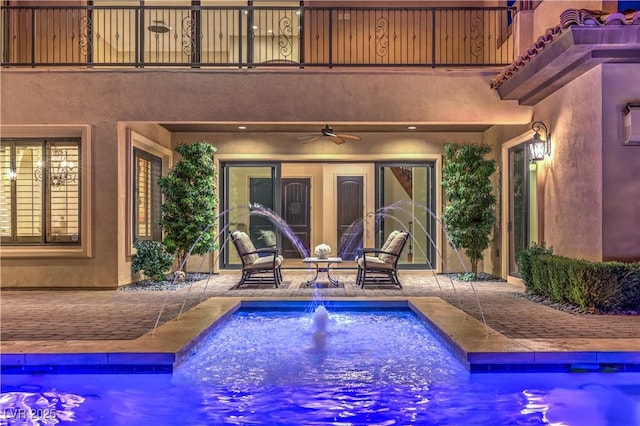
{"points": [[109, 315]]}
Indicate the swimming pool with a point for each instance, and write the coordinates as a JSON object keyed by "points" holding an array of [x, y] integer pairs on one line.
{"points": [[365, 367]]}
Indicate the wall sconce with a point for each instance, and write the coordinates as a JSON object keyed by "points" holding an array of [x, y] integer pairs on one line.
{"points": [[538, 147]]}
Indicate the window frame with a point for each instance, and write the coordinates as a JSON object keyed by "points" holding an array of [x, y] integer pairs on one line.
{"points": [[155, 202], [47, 148], [136, 141], [83, 249]]}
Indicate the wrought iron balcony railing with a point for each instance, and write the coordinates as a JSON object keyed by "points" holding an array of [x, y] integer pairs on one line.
{"points": [[145, 36]]}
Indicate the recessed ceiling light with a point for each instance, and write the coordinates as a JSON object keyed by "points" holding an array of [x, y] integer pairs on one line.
{"points": [[255, 27], [269, 31], [412, 127], [242, 127]]}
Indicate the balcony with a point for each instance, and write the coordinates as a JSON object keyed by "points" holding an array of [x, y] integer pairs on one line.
{"points": [[249, 37]]}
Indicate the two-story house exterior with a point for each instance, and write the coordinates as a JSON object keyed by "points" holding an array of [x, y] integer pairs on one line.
{"points": [[96, 94]]}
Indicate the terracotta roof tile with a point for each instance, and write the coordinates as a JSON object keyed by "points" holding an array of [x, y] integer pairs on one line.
{"points": [[570, 17]]}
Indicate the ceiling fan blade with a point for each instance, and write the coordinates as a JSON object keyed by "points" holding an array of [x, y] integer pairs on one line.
{"points": [[327, 132], [352, 137], [311, 139]]}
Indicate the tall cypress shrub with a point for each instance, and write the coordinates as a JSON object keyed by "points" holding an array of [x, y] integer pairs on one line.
{"points": [[190, 201], [469, 215]]}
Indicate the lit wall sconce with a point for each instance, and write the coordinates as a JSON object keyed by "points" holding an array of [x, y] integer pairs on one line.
{"points": [[631, 124], [538, 146]]}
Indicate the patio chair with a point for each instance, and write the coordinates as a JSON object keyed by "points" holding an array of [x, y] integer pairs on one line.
{"points": [[380, 266], [257, 269]]}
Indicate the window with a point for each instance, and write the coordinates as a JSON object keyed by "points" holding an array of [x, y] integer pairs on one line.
{"points": [[40, 191], [146, 161], [147, 199]]}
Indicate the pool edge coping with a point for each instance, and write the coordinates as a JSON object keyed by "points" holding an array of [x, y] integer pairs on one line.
{"points": [[478, 347]]}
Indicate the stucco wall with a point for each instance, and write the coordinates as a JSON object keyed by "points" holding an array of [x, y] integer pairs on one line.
{"points": [[620, 166], [105, 96], [547, 14], [570, 180]]}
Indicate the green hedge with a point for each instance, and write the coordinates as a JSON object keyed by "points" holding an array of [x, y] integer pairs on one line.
{"points": [[606, 286]]}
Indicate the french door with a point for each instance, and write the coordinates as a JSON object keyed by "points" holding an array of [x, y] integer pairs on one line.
{"points": [[523, 223], [245, 184], [296, 203], [405, 200], [349, 206]]}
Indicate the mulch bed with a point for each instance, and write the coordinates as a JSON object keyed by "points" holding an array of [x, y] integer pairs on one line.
{"points": [[167, 285]]}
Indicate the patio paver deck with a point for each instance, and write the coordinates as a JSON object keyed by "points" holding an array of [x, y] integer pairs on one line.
{"points": [[61, 322]]}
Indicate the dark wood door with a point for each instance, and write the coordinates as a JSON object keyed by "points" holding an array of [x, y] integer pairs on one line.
{"points": [[350, 206], [296, 213], [260, 192]]}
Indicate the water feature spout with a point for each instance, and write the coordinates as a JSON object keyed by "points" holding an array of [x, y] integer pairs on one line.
{"points": [[320, 326]]}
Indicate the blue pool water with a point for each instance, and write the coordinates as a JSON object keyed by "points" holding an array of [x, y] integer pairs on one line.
{"points": [[276, 368]]}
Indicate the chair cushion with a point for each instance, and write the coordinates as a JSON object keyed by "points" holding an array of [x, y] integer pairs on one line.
{"points": [[375, 263], [265, 263], [244, 245], [390, 238], [370, 259], [396, 245]]}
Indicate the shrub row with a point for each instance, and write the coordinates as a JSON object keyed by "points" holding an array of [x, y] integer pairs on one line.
{"points": [[606, 286]]}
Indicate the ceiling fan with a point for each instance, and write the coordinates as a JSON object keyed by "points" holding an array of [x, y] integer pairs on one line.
{"points": [[327, 132]]}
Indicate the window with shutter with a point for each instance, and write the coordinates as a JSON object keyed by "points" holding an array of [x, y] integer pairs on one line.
{"points": [[40, 191], [147, 200]]}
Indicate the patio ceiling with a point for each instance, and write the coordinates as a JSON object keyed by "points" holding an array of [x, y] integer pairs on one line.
{"points": [[314, 127]]}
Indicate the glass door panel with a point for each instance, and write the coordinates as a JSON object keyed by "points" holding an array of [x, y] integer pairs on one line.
{"points": [[523, 219], [243, 185], [408, 191]]}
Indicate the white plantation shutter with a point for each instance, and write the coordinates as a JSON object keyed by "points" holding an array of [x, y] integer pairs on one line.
{"points": [[147, 196], [28, 193], [64, 192], [40, 190], [143, 200], [6, 182]]}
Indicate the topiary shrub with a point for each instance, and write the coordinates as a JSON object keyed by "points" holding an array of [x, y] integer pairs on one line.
{"points": [[469, 214], [190, 202], [152, 259]]}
